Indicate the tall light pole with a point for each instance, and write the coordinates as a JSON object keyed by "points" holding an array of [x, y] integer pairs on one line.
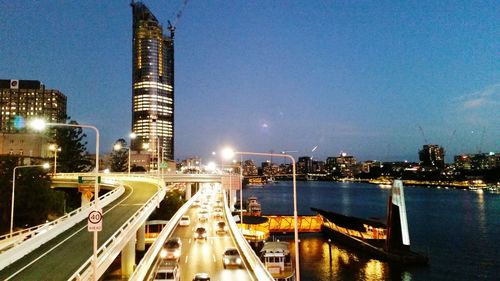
{"points": [[132, 136], [45, 166], [39, 125], [229, 153], [54, 147]]}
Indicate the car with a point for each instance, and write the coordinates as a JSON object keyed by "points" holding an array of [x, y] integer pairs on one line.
{"points": [[184, 221], [196, 203], [200, 233], [231, 257], [203, 215], [168, 271], [171, 249], [218, 203], [221, 228], [201, 277], [218, 214]]}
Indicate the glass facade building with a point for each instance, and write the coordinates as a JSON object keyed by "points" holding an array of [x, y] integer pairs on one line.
{"points": [[152, 85]]}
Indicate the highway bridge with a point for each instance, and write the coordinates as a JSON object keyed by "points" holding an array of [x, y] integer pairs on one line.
{"points": [[62, 250]]}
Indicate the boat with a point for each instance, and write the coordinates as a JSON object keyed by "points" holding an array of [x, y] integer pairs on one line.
{"points": [[255, 183], [275, 255], [389, 241], [253, 206]]}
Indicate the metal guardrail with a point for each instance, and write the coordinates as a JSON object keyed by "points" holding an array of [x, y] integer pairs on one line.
{"points": [[113, 246], [255, 266], [142, 271], [26, 241]]}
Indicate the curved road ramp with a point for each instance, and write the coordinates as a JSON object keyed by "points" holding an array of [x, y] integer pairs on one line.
{"points": [[63, 249]]}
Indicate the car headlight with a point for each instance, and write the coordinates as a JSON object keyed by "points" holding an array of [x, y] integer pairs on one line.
{"points": [[177, 253], [226, 260], [238, 260]]}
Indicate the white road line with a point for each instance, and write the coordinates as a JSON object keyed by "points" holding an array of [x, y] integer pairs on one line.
{"points": [[187, 258], [60, 243], [214, 258]]}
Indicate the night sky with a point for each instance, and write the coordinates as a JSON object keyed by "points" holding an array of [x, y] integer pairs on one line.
{"points": [[346, 76]]}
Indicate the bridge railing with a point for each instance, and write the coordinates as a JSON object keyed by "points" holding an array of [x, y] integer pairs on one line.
{"points": [[114, 245], [255, 266], [23, 242], [142, 271]]}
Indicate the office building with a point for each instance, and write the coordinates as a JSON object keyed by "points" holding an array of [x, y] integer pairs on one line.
{"points": [[431, 157], [152, 86], [20, 101]]}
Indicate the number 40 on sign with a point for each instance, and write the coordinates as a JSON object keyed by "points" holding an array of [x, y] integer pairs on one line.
{"points": [[95, 220]]}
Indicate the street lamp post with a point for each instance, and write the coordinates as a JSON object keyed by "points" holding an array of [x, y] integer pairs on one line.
{"points": [[45, 166], [55, 148], [131, 136], [40, 125], [228, 153]]}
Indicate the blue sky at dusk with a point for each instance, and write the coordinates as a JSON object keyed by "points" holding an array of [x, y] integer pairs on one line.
{"points": [[346, 76]]}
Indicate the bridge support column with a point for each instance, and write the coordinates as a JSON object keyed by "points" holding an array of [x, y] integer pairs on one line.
{"points": [[128, 258], [188, 191], [141, 234]]}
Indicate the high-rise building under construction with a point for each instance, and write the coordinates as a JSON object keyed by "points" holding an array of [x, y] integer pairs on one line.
{"points": [[152, 85]]}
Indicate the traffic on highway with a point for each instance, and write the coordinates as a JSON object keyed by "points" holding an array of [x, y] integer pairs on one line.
{"points": [[201, 247]]}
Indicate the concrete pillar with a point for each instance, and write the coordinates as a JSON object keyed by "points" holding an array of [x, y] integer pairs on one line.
{"points": [[188, 191], [128, 258], [141, 237]]}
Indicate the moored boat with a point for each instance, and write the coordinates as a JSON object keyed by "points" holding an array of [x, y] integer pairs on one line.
{"points": [[387, 242], [275, 255]]}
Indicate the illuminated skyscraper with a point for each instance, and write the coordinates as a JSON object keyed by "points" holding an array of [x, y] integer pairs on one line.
{"points": [[152, 84]]}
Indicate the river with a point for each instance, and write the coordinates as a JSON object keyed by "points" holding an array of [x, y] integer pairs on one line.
{"points": [[459, 230]]}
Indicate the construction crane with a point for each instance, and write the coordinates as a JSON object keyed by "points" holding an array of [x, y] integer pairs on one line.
{"points": [[423, 134], [449, 140], [171, 26]]}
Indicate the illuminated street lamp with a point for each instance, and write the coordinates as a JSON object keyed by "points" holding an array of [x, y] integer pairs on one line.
{"points": [[54, 147], [228, 153], [45, 166], [39, 125]]}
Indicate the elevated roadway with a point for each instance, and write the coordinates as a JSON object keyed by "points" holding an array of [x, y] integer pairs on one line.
{"points": [[61, 257]]}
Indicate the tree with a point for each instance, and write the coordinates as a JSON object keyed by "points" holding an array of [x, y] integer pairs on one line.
{"points": [[169, 206], [72, 157], [119, 156], [34, 199]]}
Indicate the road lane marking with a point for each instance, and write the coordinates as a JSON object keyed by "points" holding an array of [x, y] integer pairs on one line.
{"points": [[213, 255], [186, 261], [63, 241]]}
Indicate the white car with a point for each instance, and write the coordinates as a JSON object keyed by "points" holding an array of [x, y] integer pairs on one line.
{"points": [[184, 221], [203, 215]]}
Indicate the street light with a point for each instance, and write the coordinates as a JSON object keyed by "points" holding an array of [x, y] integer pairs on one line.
{"points": [[54, 147], [45, 166], [131, 136], [39, 125], [228, 153]]}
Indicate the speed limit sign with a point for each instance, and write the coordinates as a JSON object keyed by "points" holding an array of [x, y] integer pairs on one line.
{"points": [[95, 220]]}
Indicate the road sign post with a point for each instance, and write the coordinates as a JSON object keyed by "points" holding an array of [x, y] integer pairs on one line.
{"points": [[94, 220]]}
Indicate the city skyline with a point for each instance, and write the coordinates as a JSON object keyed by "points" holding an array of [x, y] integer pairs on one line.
{"points": [[360, 78]]}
